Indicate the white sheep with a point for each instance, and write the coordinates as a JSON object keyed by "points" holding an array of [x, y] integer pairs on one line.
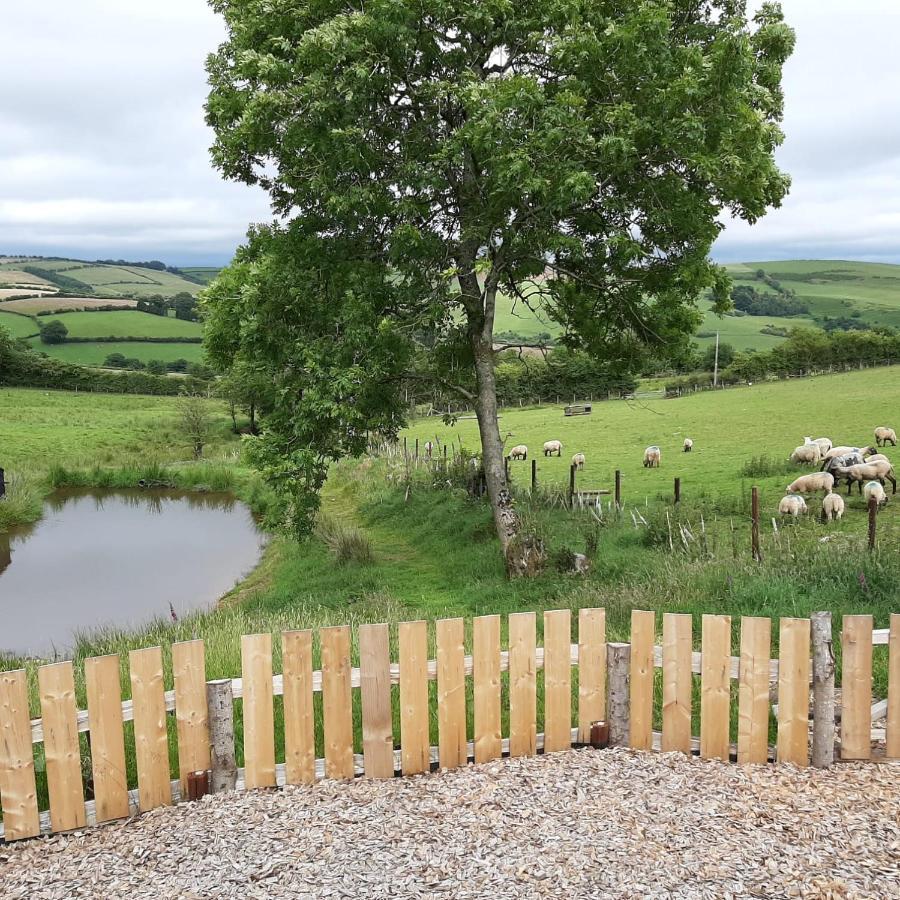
{"points": [[832, 507], [520, 451], [429, 449], [824, 443], [792, 505], [551, 447], [812, 484], [652, 457], [806, 453], [867, 471], [688, 445], [578, 461], [842, 451], [884, 434], [874, 489]]}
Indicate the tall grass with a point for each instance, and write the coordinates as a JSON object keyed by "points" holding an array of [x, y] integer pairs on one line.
{"points": [[22, 502]]}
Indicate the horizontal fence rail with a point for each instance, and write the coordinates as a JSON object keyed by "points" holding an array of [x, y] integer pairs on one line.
{"points": [[648, 695]]}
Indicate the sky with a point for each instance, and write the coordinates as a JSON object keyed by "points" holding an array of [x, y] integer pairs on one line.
{"points": [[104, 151]]}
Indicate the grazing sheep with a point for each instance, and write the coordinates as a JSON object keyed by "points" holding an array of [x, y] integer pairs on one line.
{"points": [[651, 457], [792, 505], [520, 451], [884, 434], [841, 462], [578, 461], [841, 451], [824, 443], [552, 447], [832, 507], [811, 484], [868, 471], [688, 445], [874, 489], [806, 453]]}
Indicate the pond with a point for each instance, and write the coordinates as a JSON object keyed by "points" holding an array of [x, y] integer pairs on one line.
{"points": [[118, 559]]}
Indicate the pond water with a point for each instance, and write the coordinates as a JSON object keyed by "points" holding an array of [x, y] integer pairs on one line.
{"points": [[119, 559]]}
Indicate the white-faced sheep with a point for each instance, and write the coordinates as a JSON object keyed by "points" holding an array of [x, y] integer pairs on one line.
{"points": [[792, 505], [688, 445], [884, 434], [652, 457], [551, 447], [868, 471], [832, 507], [520, 451], [873, 489], [824, 443], [578, 461], [812, 484], [806, 453]]}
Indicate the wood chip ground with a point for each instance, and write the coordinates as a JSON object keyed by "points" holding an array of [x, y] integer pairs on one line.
{"points": [[580, 824]]}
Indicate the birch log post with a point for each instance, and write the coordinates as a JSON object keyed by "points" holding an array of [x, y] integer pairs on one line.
{"points": [[618, 681], [823, 691], [220, 703]]}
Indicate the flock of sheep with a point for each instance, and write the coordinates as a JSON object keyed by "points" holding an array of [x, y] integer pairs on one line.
{"points": [[863, 466], [652, 454]]}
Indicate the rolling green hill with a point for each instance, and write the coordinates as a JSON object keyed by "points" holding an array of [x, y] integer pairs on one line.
{"points": [[125, 323]]}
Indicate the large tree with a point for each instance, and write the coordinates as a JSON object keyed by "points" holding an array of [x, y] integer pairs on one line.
{"points": [[424, 156]]}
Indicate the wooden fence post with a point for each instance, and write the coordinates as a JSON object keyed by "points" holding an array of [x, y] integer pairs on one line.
{"points": [[405, 453], [571, 484], [823, 691], [618, 678], [220, 704], [618, 489], [873, 520], [754, 524], [678, 490], [533, 475], [2, 482], [506, 469], [417, 450]]}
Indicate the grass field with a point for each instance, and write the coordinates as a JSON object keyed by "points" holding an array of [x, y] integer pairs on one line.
{"points": [[743, 332], [18, 326], [95, 353], [205, 273], [17, 277], [51, 303], [16, 293], [105, 324]]}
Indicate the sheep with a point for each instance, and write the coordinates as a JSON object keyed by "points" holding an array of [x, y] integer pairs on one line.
{"points": [[811, 484], [578, 461], [867, 471], [841, 462], [873, 489], [832, 507], [552, 447], [651, 457], [884, 434], [520, 451], [806, 453], [792, 505], [429, 449], [688, 445], [841, 451], [824, 443]]}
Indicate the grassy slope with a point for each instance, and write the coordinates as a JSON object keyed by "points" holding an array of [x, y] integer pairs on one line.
{"points": [[126, 323], [18, 326], [94, 354]]}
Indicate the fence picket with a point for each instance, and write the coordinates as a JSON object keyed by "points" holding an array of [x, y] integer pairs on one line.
{"points": [[677, 682], [150, 738], [522, 684], [299, 722], [753, 690], [415, 753], [104, 701], [191, 712], [337, 702], [486, 692], [793, 691], [259, 712], [715, 687], [557, 680], [451, 692], [591, 670], [375, 698], [18, 790], [643, 631], [856, 687], [892, 736]]}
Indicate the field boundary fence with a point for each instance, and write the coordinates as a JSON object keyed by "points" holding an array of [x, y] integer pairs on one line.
{"points": [[378, 719]]}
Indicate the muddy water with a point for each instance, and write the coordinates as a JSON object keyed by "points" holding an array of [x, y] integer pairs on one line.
{"points": [[118, 559]]}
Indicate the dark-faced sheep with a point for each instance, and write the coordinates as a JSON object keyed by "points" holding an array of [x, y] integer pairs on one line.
{"points": [[868, 471], [688, 445]]}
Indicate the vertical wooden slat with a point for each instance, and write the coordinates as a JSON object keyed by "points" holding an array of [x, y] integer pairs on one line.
{"points": [[337, 702], [18, 790], [259, 711], [415, 753], [715, 687], [557, 680], [299, 722], [643, 630], [486, 693], [375, 696], [676, 711], [150, 740], [451, 692], [753, 690], [892, 736], [856, 687], [104, 703], [522, 684], [793, 691], [191, 713], [591, 670]]}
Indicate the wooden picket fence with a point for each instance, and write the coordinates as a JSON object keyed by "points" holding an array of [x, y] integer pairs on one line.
{"points": [[615, 683]]}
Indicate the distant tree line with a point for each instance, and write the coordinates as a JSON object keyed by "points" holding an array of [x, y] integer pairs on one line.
{"points": [[64, 282], [158, 366], [748, 300]]}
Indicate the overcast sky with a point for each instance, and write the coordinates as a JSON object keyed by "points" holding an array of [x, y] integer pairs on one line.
{"points": [[104, 153]]}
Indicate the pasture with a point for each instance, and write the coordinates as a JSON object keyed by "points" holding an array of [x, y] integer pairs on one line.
{"points": [[17, 326], [50, 303], [122, 323], [94, 353]]}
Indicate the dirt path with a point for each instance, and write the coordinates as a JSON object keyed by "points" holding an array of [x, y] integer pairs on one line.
{"points": [[582, 824]]}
